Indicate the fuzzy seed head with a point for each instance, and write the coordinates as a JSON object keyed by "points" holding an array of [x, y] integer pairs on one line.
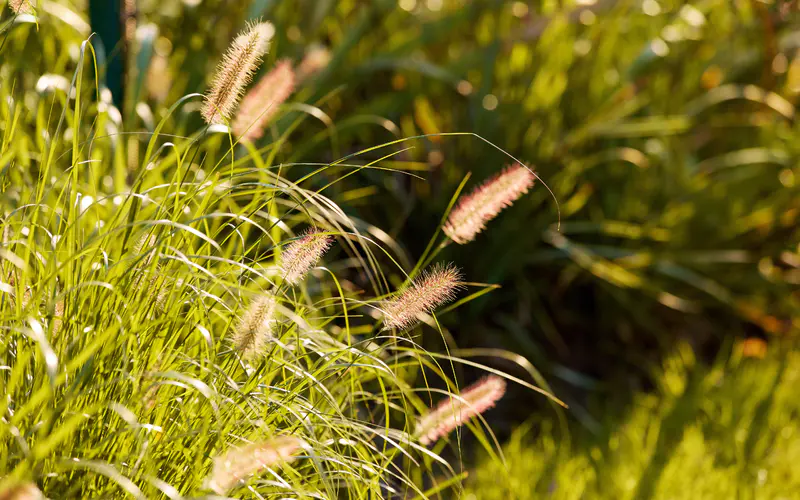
{"points": [[239, 463], [302, 254], [475, 210], [262, 102], [315, 60], [255, 327], [21, 491], [58, 317], [235, 71], [21, 6], [454, 412], [433, 288]]}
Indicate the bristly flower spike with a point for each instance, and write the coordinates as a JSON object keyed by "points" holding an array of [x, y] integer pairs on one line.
{"points": [[21, 6], [261, 103], [235, 71], [21, 491], [475, 210], [239, 463], [315, 60], [455, 411], [433, 288], [302, 254], [255, 327]]}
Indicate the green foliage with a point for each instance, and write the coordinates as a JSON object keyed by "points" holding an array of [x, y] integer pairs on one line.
{"points": [[727, 431], [666, 130], [147, 328]]}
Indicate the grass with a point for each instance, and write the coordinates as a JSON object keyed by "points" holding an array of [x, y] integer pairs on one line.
{"points": [[705, 432], [135, 239], [149, 337]]}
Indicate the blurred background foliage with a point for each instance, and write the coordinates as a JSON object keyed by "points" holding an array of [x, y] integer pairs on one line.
{"points": [[728, 430], [666, 130]]}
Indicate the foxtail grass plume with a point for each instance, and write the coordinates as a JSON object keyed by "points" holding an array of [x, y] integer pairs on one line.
{"points": [[235, 71], [435, 287], [302, 254], [239, 463], [261, 103], [21, 6], [255, 327], [473, 211], [21, 491], [454, 412], [316, 59]]}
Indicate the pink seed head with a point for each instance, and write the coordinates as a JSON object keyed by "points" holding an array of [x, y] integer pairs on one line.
{"points": [[316, 59], [454, 411], [262, 102], [21, 6], [475, 210], [239, 463], [433, 288], [302, 254]]}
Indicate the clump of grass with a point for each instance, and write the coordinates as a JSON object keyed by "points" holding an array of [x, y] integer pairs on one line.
{"points": [[717, 431], [133, 366]]}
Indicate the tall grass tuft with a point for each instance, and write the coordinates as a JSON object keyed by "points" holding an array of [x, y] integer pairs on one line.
{"points": [[131, 365]]}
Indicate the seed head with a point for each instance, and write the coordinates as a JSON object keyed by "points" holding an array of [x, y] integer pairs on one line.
{"points": [[454, 411], [255, 327], [435, 287], [21, 491], [261, 103], [58, 317], [235, 71], [315, 60], [473, 211], [303, 253], [239, 463], [21, 6]]}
